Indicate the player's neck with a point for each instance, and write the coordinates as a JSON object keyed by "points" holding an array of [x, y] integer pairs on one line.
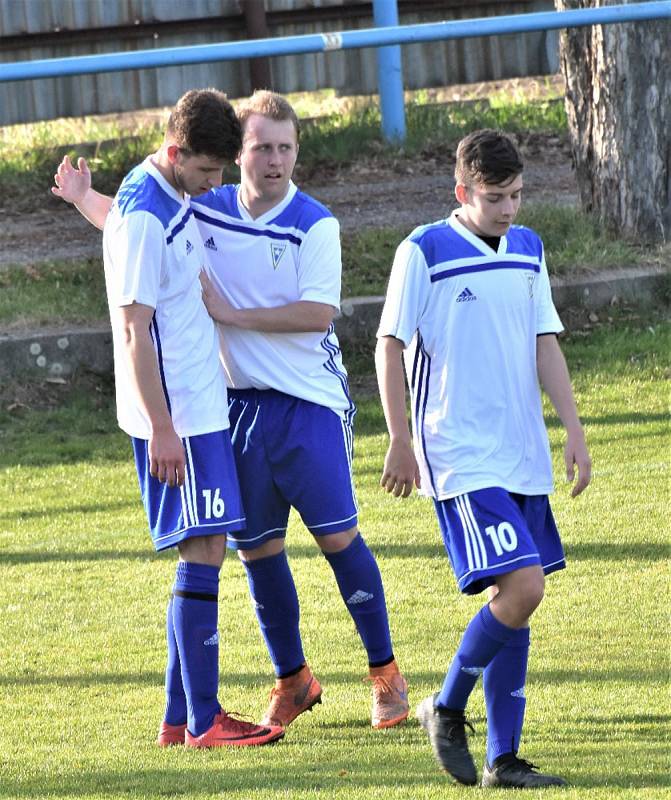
{"points": [[162, 163], [256, 204]]}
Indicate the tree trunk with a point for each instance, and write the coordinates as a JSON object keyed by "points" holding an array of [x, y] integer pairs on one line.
{"points": [[618, 101]]}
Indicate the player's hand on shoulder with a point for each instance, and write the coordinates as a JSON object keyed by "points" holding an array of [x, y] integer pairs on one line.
{"points": [[576, 455], [72, 182], [167, 460], [401, 471]]}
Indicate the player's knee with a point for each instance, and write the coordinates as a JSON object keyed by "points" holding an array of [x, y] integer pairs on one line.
{"points": [[204, 550], [335, 542], [272, 547]]}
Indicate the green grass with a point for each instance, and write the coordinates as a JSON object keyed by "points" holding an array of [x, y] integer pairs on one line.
{"points": [[56, 293], [82, 599]]}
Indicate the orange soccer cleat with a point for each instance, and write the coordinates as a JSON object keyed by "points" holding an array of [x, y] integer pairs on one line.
{"points": [[228, 731], [169, 735], [390, 696], [292, 696]]}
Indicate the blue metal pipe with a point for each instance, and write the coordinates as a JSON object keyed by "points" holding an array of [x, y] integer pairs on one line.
{"points": [[390, 75], [313, 43]]}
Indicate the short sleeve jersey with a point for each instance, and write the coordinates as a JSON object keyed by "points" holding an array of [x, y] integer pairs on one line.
{"points": [[290, 253], [153, 255], [469, 318]]}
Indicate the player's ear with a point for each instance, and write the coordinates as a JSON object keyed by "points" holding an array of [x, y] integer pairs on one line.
{"points": [[173, 152], [462, 193]]}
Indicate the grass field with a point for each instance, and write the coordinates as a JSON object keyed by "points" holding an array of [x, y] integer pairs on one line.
{"points": [[82, 601]]}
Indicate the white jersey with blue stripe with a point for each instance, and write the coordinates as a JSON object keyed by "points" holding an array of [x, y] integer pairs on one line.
{"points": [[469, 318], [289, 254], [153, 255]]}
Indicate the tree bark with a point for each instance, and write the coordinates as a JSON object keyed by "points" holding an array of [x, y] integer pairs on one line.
{"points": [[618, 102]]}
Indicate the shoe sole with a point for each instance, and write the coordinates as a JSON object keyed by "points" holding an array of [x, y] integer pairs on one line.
{"points": [[390, 723], [236, 742]]}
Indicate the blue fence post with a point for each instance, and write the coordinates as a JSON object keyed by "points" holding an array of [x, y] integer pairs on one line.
{"points": [[390, 75]]}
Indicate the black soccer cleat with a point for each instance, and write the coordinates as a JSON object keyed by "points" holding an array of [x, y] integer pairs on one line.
{"points": [[511, 772], [447, 733]]}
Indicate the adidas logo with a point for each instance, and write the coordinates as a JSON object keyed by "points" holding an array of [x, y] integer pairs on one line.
{"points": [[213, 640], [359, 597], [518, 693], [466, 295], [189, 247], [210, 244], [473, 670]]}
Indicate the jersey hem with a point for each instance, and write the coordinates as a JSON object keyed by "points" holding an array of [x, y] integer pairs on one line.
{"points": [[214, 428], [511, 489]]}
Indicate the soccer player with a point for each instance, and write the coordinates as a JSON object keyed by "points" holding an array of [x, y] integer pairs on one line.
{"points": [[469, 311], [171, 398], [276, 266]]}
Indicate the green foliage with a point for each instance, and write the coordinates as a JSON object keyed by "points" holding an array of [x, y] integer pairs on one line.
{"points": [[575, 241], [53, 293], [82, 598]]}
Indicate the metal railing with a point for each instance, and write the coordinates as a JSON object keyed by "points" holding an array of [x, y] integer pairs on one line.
{"points": [[390, 79]]}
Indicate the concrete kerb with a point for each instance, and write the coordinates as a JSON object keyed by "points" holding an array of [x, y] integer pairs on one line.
{"points": [[55, 355]]}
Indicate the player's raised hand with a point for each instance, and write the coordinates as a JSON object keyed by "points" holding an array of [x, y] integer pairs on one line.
{"points": [[72, 182], [216, 304], [400, 472], [577, 455]]}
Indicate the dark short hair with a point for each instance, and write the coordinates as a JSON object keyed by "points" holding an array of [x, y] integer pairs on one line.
{"points": [[487, 156], [204, 123], [271, 105]]}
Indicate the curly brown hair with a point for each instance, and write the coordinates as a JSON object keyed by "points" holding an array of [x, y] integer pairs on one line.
{"points": [[487, 156], [271, 105], [204, 123]]}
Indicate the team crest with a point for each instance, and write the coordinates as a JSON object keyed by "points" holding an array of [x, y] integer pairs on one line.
{"points": [[530, 281], [277, 251]]}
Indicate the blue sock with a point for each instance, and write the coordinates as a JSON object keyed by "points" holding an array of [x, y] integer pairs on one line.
{"points": [[482, 640], [503, 683], [273, 592], [194, 614], [175, 699], [360, 584]]}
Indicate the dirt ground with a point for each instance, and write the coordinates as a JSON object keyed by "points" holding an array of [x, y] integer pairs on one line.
{"points": [[376, 193]]}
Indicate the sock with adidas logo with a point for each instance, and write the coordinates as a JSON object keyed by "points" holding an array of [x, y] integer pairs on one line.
{"points": [[360, 583], [503, 683], [195, 617], [482, 640]]}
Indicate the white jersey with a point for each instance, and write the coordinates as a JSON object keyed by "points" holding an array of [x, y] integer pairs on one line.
{"points": [[290, 253], [469, 318], [153, 255]]}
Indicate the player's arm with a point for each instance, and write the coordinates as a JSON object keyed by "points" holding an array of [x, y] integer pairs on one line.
{"points": [[73, 184], [554, 378], [166, 452], [302, 316], [400, 466]]}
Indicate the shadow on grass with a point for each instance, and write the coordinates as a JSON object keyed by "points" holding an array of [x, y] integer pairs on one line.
{"points": [[206, 773], [606, 551], [13, 558], [581, 551], [82, 508]]}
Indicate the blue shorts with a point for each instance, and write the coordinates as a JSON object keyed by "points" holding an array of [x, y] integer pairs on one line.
{"points": [[208, 504], [491, 532], [290, 452]]}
